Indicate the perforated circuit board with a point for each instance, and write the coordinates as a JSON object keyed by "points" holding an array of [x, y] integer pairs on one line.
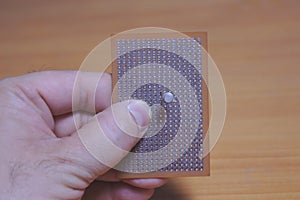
{"points": [[167, 72]]}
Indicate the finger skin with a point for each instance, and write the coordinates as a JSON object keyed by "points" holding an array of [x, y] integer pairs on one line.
{"points": [[67, 124], [103, 139], [49, 166], [111, 191], [146, 183], [56, 88]]}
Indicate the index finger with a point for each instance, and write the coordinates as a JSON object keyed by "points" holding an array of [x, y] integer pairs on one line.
{"points": [[56, 88]]}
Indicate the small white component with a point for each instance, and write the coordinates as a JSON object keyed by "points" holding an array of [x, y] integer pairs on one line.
{"points": [[168, 97]]}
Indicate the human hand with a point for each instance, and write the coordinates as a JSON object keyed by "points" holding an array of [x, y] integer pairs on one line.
{"points": [[42, 156]]}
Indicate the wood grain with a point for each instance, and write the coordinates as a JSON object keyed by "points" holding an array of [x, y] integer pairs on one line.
{"points": [[256, 45]]}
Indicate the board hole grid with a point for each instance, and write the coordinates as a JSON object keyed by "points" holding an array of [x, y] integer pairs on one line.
{"points": [[147, 71]]}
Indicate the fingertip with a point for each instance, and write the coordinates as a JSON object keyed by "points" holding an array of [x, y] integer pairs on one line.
{"points": [[126, 191], [148, 183], [140, 111], [119, 190], [109, 136]]}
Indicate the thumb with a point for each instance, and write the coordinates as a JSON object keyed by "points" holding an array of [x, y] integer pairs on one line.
{"points": [[100, 144]]}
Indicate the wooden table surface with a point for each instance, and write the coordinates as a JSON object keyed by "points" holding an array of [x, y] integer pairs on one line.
{"points": [[256, 45]]}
